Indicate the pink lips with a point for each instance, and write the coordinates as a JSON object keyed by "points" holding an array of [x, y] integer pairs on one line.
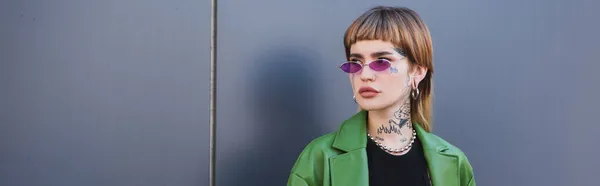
{"points": [[368, 92]]}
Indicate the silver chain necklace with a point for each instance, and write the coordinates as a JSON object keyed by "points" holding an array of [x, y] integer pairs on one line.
{"points": [[393, 150]]}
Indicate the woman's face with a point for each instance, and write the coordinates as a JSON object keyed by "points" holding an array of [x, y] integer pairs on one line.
{"points": [[376, 90]]}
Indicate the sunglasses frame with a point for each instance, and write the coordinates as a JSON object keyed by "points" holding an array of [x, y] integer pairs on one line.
{"points": [[366, 64]]}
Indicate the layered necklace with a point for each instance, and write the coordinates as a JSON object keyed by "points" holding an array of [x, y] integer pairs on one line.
{"points": [[393, 150]]}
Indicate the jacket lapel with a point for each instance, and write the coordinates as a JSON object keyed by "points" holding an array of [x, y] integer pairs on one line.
{"points": [[441, 163], [351, 168]]}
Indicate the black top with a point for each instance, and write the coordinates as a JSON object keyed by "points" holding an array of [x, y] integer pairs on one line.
{"points": [[386, 169]]}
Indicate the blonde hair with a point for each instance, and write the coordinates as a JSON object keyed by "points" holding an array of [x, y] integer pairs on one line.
{"points": [[405, 30]]}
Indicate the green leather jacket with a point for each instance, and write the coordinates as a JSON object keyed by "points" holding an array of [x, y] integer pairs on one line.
{"points": [[340, 159]]}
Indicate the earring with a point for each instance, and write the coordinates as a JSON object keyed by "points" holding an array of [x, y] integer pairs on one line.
{"points": [[415, 93], [354, 98]]}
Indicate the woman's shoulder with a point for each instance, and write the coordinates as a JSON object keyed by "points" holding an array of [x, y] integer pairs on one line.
{"points": [[444, 147], [321, 145], [439, 142], [312, 159], [435, 142]]}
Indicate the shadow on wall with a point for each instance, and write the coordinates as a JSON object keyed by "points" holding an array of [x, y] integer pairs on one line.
{"points": [[284, 105]]}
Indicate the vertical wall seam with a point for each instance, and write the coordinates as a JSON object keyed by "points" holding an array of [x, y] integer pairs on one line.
{"points": [[213, 92]]}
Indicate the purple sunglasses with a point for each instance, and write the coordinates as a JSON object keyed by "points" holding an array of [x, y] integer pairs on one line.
{"points": [[354, 66]]}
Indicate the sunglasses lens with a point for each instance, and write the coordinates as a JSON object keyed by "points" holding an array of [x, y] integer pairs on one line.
{"points": [[350, 67], [380, 65]]}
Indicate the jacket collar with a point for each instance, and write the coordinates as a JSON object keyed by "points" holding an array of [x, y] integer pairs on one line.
{"points": [[350, 168], [352, 134]]}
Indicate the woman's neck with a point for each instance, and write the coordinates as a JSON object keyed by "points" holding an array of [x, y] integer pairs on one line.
{"points": [[391, 126]]}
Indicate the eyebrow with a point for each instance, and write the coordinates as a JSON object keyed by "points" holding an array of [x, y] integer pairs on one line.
{"points": [[379, 54], [373, 55]]}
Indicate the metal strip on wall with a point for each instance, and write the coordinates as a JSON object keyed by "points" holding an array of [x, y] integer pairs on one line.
{"points": [[213, 92]]}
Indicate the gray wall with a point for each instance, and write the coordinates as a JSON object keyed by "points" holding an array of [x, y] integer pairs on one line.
{"points": [[104, 92], [515, 85], [116, 92]]}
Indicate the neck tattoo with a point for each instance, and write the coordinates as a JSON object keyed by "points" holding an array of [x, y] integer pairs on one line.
{"points": [[400, 119], [395, 150]]}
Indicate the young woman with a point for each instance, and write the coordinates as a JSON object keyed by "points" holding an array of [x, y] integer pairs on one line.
{"points": [[388, 142]]}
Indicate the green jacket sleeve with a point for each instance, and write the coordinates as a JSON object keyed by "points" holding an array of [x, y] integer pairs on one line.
{"points": [[296, 180], [472, 182], [466, 172]]}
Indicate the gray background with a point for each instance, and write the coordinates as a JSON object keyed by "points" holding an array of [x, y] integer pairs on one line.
{"points": [[116, 92], [104, 93], [515, 85]]}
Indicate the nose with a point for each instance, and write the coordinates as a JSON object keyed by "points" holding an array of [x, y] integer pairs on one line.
{"points": [[367, 74]]}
